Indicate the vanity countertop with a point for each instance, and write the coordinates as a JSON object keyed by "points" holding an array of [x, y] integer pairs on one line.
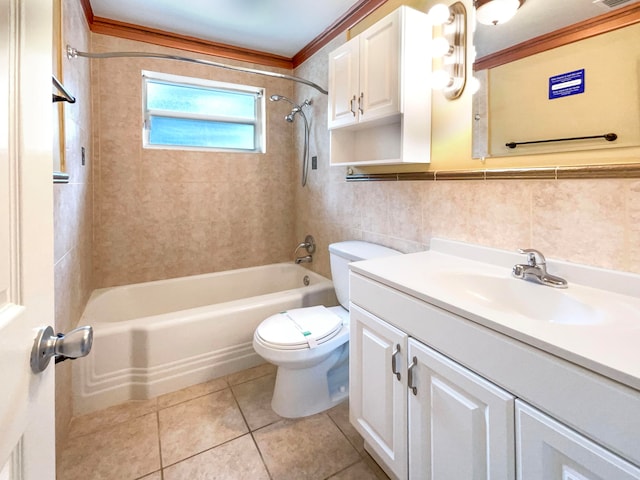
{"points": [[594, 323]]}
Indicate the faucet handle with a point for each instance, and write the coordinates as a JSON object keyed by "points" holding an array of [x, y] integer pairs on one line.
{"points": [[534, 257]]}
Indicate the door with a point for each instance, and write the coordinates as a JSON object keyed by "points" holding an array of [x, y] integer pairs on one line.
{"points": [[550, 450], [343, 84], [26, 238], [460, 425], [379, 94], [377, 395]]}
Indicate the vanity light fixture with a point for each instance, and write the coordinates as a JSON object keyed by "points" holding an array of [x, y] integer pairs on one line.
{"points": [[449, 48], [494, 12]]}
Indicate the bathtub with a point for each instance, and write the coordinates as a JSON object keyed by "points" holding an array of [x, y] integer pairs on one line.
{"points": [[157, 337]]}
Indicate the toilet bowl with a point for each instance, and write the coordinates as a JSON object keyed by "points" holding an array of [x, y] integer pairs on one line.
{"points": [[310, 346]]}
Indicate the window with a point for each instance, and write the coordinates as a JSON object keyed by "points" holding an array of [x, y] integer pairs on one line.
{"points": [[191, 113]]}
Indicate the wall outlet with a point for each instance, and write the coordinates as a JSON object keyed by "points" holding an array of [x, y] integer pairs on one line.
{"points": [[314, 163]]}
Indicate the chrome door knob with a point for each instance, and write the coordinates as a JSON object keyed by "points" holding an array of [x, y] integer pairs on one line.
{"points": [[77, 343]]}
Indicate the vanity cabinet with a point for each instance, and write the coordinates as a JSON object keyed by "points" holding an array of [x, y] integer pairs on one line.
{"points": [[379, 106], [548, 449], [485, 406], [422, 415]]}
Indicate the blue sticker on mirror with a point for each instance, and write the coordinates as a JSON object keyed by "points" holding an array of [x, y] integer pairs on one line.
{"points": [[565, 84]]}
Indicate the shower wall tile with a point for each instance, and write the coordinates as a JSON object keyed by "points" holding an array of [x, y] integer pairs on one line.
{"points": [[168, 213], [73, 206]]}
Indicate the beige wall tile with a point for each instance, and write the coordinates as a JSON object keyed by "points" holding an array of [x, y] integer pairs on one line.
{"points": [[73, 207], [581, 221], [195, 211]]}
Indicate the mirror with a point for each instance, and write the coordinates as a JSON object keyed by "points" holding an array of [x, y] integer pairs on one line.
{"points": [[587, 88]]}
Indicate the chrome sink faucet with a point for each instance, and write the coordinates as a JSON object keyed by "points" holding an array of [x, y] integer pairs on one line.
{"points": [[535, 270]]}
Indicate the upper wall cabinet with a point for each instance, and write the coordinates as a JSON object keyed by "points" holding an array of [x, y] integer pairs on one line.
{"points": [[379, 96]]}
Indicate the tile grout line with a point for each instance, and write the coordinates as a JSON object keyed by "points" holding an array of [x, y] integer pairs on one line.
{"points": [[253, 439]]}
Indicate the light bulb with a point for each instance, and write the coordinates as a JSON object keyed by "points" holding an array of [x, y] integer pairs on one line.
{"points": [[440, 47], [440, 79], [473, 85], [439, 14], [497, 11]]}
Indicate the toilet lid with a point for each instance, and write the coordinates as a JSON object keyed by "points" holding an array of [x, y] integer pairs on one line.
{"points": [[299, 328]]}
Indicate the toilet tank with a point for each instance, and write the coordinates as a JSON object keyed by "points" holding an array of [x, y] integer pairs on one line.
{"points": [[342, 254]]}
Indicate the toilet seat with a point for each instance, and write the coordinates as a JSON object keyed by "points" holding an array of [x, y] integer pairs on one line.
{"points": [[300, 328]]}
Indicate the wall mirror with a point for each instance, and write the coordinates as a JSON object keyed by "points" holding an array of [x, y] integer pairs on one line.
{"points": [[541, 79]]}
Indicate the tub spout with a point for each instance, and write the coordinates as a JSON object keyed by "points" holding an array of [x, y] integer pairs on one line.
{"points": [[305, 259]]}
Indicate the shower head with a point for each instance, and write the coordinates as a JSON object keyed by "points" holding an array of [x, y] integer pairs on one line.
{"points": [[290, 117], [277, 98]]}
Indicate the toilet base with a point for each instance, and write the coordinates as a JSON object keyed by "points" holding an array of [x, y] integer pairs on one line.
{"points": [[307, 391]]}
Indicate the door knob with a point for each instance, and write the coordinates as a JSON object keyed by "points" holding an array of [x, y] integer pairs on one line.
{"points": [[76, 343]]}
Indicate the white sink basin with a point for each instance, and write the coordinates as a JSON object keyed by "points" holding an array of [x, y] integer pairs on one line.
{"points": [[511, 295]]}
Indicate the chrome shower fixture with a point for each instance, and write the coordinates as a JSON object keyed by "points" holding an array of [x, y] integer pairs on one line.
{"points": [[290, 117], [296, 108]]}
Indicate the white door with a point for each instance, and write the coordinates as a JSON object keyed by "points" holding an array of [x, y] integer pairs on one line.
{"points": [[377, 395], [379, 94], [26, 238], [460, 425], [343, 84], [550, 450]]}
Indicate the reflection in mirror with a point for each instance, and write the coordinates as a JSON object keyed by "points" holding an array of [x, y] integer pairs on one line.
{"points": [[582, 89]]}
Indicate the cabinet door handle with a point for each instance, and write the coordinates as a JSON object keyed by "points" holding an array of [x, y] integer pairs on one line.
{"points": [[351, 102], [394, 362], [361, 103], [410, 384]]}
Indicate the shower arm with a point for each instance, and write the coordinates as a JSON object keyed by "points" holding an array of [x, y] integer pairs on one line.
{"points": [[73, 53]]}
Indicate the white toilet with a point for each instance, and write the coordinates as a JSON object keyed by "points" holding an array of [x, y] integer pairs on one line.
{"points": [[310, 345]]}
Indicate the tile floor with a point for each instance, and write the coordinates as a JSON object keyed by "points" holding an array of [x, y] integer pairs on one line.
{"points": [[222, 429]]}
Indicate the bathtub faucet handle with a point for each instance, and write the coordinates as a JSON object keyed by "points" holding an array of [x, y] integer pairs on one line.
{"points": [[309, 245]]}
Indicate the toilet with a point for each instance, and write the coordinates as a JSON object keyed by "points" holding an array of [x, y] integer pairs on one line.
{"points": [[310, 346]]}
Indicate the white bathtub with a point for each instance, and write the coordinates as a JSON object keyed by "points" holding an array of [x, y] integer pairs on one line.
{"points": [[157, 337]]}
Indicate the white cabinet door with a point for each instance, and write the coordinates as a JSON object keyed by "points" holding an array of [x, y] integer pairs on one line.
{"points": [[378, 401], [344, 81], [379, 94], [549, 450], [460, 425]]}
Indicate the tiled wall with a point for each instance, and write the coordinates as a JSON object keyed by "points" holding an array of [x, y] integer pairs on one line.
{"points": [[73, 205], [595, 222], [169, 213]]}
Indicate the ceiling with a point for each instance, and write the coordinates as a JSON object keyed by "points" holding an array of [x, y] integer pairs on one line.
{"points": [[285, 27], [537, 17], [280, 27]]}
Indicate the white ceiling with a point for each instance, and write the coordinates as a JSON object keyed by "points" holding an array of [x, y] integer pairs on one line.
{"points": [[537, 17], [284, 27], [281, 27]]}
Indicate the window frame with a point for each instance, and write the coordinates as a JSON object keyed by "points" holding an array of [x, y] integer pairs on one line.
{"points": [[258, 121]]}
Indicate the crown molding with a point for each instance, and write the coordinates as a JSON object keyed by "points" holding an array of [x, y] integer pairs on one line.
{"points": [[130, 31], [348, 20]]}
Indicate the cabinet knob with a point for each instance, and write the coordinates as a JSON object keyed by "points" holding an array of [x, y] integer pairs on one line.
{"points": [[351, 102], [361, 103]]}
